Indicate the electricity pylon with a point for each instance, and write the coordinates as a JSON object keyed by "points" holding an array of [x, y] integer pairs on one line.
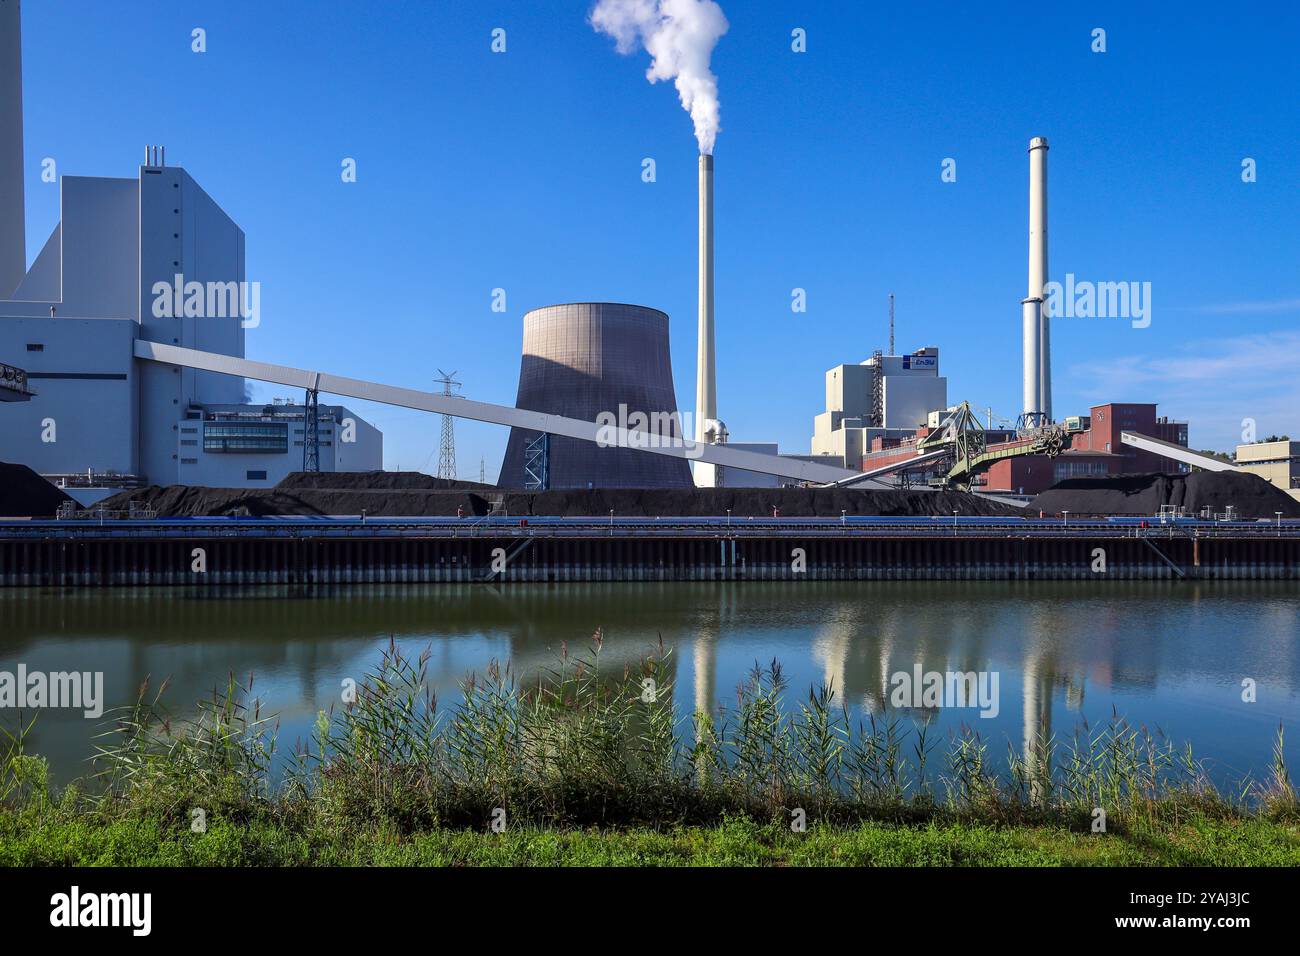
{"points": [[447, 447]]}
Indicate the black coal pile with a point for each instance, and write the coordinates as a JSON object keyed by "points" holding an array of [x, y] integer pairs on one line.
{"points": [[177, 501], [386, 503], [25, 494], [1249, 495], [182, 501], [374, 481]]}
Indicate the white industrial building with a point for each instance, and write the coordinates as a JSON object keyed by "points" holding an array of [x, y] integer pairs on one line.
{"points": [[233, 446], [888, 396], [97, 286]]}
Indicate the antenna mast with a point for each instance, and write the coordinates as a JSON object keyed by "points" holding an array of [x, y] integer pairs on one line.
{"points": [[891, 323]]}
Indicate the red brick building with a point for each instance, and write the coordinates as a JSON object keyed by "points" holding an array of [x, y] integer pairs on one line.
{"points": [[1095, 450]]}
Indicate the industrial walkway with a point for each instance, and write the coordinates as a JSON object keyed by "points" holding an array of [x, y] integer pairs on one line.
{"points": [[498, 526], [206, 552]]}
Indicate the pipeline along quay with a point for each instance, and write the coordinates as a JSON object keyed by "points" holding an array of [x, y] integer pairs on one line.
{"points": [[500, 550]]}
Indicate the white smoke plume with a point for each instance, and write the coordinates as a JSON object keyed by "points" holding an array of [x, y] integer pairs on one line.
{"points": [[680, 36]]}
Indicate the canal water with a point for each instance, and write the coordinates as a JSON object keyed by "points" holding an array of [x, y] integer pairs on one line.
{"points": [[1172, 656]]}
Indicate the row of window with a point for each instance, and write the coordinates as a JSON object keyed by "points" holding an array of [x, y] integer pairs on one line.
{"points": [[1079, 469], [244, 444], [245, 437], [243, 429]]}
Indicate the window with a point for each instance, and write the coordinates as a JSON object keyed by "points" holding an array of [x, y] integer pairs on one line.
{"points": [[35, 347], [255, 475], [185, 442], [189, 461], [1079, 469], [264, 438], [189, 431]]}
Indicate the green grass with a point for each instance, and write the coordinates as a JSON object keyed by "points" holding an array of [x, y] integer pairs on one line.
{"points": [[589, 769], [735, 842]]}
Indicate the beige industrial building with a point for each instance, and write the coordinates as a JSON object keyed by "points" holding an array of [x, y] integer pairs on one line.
{"points": [[888, 396], [1275, 461]]}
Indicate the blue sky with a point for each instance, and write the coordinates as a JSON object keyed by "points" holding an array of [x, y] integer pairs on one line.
{"points": [[522, 171]]}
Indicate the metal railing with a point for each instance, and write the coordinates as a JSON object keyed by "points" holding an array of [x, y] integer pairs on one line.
{"points": [[14, 379], [143, 524]]}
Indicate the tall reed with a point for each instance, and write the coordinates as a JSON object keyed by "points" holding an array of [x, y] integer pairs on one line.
{"points": [[581, 744]]}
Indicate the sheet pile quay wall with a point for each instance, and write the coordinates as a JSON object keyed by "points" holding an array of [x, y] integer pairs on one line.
{"points": [[107, 557]]}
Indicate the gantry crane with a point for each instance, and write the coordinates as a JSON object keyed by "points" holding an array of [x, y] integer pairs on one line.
{"points": [[964, 438]]}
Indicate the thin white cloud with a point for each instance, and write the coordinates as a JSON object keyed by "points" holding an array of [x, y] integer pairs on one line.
{"points": [[1244, 308], [1213, 384]]}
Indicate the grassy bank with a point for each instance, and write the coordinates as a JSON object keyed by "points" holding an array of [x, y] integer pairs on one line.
{"points": [[581, 767], [32, 841]]}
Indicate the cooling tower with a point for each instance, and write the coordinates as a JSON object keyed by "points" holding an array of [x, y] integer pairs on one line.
{"points": [[587, 360]]}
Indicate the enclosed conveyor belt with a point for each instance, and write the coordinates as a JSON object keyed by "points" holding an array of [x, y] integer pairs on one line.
{"points": [[1167, 449], [793, 468]]}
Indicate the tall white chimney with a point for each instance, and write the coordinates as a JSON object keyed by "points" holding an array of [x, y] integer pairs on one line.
{"points": [[1032, 318], [1042, 370], [13, 238], [706, 382]]}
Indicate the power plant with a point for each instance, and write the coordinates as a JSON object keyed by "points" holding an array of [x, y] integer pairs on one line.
{"points": [[133, 366], [116, 316], [888, 417], [884, 397], [152, 257], [649, 637]]}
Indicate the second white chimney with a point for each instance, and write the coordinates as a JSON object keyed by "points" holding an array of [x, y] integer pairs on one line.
{"points": [[13, 238], [1042, 370], [706, 382]]}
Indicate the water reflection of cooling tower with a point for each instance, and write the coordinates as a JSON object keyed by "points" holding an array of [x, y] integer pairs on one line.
{"points": [[586, 359]]}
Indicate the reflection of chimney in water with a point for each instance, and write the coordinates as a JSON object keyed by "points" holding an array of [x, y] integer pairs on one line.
{"points": [[1074, 693], [1037, 722], [705, 660], [831, 647], [877, 694]]}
